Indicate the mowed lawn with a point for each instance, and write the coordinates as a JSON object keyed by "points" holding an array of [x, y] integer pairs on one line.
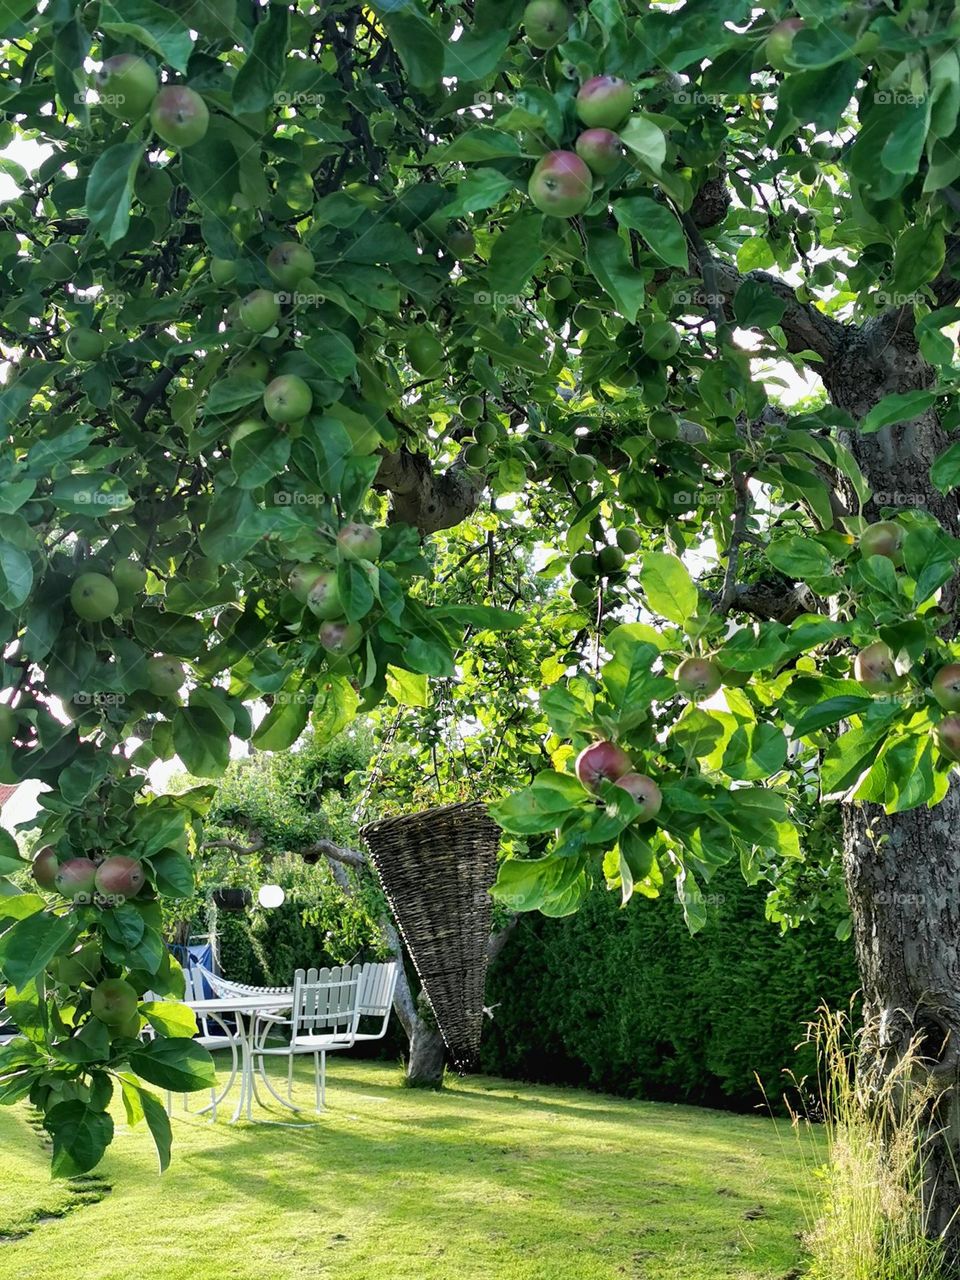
{"points": [[488, 1180]]}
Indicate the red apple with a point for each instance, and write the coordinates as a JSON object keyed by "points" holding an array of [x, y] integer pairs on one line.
{"points": [[76, 878], [644, 790], [179, 116], [600, 149], [601, 761], [604, 102], [698, 678], [120, 877], [947, 737], [876, 670], [946, 687], [561, 184], [45, 868]]}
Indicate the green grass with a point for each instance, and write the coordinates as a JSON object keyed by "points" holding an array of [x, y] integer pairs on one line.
{"points": [[488, 1180]]}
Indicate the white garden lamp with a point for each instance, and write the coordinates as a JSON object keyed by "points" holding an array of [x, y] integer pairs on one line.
{"points": [[270, 895]]}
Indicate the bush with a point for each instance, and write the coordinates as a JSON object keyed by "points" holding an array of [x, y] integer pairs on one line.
{"points": [[627, 1001]]}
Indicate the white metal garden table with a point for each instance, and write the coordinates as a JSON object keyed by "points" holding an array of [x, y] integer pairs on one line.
{"points": [[244, 1010]]}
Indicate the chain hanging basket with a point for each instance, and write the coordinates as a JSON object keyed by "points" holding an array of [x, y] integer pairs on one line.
{"points": [[436, 869]]}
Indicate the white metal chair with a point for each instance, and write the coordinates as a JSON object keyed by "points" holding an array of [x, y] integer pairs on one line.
{"points": [[324, 1013], [378, 982]]}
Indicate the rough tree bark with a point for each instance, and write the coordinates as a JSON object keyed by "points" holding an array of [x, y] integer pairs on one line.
{"points": [[902, 870]]}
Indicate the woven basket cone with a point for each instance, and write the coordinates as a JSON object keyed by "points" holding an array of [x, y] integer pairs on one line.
{"points": [[436, 869]]}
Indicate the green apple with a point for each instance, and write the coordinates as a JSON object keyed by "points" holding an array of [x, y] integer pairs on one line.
{"points": [[128, 577], [661, 340], [604, 102], [425, 353], [323, 597], [287, 398], [461, 242], [341, 638], [94, 597], [165, 675], [359, 542], [259, 311], [302, 577], [883, 538], [561, 184], [874, 667], [245, 428], [223, 270], [471, 408], [545, 22], [698, 678], [946, 687], [779, 42], [127, 85], [179, 116], [45, 867], [153, 186], [114, 1002], [84, 345], [252, 364], [290, 262], [59, 261], [559, 287]]}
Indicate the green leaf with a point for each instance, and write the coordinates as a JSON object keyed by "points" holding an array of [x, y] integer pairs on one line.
{"points": [[29, 945], [173, 872], [170, 1017], [476, 54], [110, 190], [16, 576], [81, 1134], [945, 472], [415, 38], [668, 587], [356, 590], [408, 688], [139, 1103], [284, 722], [517, 251], [658, 225], [259, 456], [480, 189], [902, 406], [830, 712], [848, 759], [155, 26], [755, 751], [646, 140], [756, 306], [918, 258], [174, 1063], [483, 616], [473, 146], [608, 259], [800, 558], [201, 741], [258, 79], [232, 393], [16, 396], [541, 806]]}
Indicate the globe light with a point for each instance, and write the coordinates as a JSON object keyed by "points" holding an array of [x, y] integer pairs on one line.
{"points": [[270, 895]]}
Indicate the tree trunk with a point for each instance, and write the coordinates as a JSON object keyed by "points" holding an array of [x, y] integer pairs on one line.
{"points": [[428, 1053], [903, 870]]}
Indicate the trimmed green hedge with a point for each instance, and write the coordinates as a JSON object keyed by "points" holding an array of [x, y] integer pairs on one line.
{"points": [[627, 1001]]}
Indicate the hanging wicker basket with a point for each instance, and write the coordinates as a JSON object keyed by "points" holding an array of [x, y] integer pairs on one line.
{"points": [[232, 899], [436, 869]]}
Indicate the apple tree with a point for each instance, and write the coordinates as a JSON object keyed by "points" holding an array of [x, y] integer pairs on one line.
{"points": [[288, 290]]}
